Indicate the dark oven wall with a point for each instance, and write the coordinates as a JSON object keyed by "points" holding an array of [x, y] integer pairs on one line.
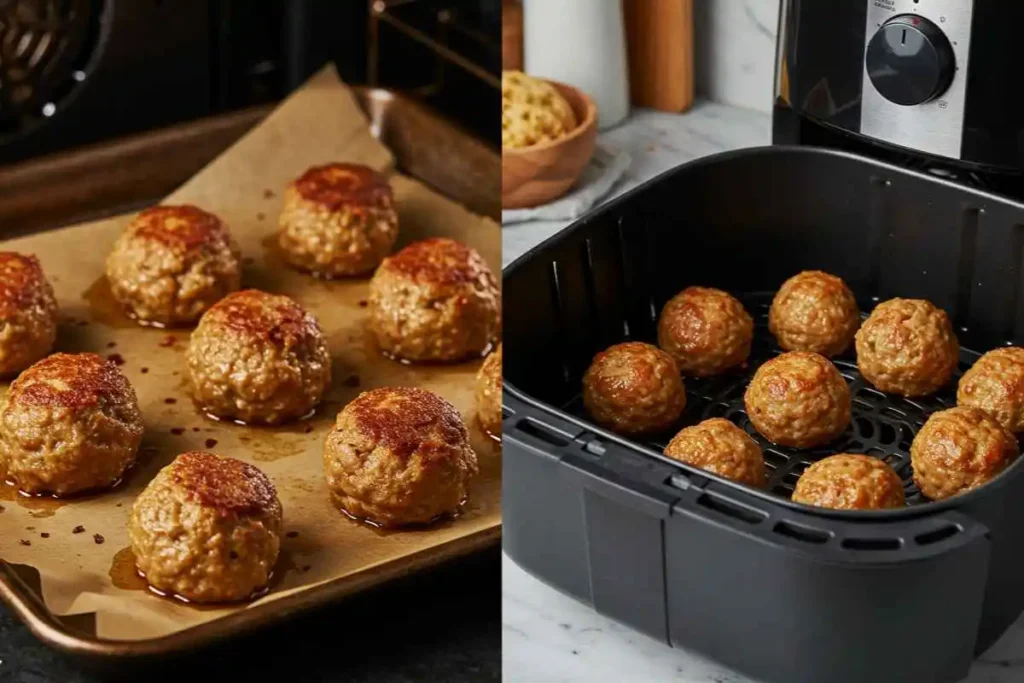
{"points": [[74, 72]]}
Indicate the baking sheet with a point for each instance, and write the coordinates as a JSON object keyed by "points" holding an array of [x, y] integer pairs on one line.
{"points": [[74, 546]]}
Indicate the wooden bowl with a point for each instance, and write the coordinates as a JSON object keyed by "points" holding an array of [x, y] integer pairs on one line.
{"points": [[535, 175]]}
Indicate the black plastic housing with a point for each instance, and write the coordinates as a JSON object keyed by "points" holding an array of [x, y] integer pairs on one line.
{"points": [[780, 591]]}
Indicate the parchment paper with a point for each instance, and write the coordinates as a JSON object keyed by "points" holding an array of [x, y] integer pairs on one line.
{"points": [[319, 123]]}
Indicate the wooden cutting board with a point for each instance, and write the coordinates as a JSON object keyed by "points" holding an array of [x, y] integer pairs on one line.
{"points": [[659, 39]]}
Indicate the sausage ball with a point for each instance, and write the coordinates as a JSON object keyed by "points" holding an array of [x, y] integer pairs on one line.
{"points": [[814, 311], [207, 529], [258, 358], [28, 312], [171, 264], [435, 300], [907, 347], [634, 389], [850, 482], [70, 423], [798, 399], [706, 330], [719, 446], [398, 456], [995, 383], [959, 449], [488, 394], [338, 220]]}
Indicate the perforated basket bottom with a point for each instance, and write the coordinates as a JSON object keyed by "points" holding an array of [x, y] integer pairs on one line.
{"points": [[883, 425]]}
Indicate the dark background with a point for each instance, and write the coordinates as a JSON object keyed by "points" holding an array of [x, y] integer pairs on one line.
{"points": [[74, 72]]}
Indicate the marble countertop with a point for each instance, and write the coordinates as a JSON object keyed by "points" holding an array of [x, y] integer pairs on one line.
{"points": [[548, 637]]}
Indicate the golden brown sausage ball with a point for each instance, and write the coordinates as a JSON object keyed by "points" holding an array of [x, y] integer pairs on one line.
{"points": [[995, 383], [488, 394], [798, 399], [959, 449], [719, 446], [70, 423], [814, 311], [207, 529], [706, 330], [435, 300], [850, 482], [338, 220], [907, 347], [172, 263], [398, 456], [28, 312], [634, 388], [258, 358]]}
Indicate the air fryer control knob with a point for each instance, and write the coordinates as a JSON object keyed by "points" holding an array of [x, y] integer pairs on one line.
{"points": [[909, 60]]}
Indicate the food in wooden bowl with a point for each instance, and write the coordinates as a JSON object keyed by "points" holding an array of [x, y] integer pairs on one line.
{"points": [[543, 150]]}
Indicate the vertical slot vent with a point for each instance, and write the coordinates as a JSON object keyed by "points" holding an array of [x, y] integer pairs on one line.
{"points": [[590, 289], [559, 320], [628, 279], [1013, 274], [965, 267]]}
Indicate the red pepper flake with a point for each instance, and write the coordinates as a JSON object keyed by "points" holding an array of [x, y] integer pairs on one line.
{"points": [[98, 538], [177, 431], [170, 401], [116, 359], [267, 194], [308, 429], [25, 541], [195, 429], [233, 555], [144, 370], [363, 303], [168, 341], [45, 534], [210, 443], [292, 534], [78, 529]]}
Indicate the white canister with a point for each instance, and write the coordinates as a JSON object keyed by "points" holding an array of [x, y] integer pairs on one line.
{"points": [[582, 43]]}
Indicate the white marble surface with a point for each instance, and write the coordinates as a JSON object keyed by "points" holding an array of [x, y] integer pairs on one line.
{"points": [[548, 637], [734, 51]]}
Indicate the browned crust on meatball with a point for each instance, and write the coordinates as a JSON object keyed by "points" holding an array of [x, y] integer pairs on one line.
{"points": [[814, 311], [960, 449], [69, 380], [265, 317], [258, 358], [995, 383], [338, 185], [172, 263], [394, 418], [719, 446], [399, 456], [183, 228], [706, 330], [435, 300], [224, 484], [207, 529], [488, 393], [850, 482], [338, 220], [634, 388], [28, 312], [70, 423], [798, 399], [907, 347]]}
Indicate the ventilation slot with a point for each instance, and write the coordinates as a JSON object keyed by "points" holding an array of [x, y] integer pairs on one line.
{"points": [[938, 535], [742, 513], [872, 543], [545, 434], [801, 533]]}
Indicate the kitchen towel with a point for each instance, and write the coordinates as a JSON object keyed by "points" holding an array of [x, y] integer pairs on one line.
{"points": [[604, 170]]}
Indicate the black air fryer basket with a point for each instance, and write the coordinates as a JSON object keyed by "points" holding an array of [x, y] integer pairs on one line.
{"points": [[780, 591]]}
